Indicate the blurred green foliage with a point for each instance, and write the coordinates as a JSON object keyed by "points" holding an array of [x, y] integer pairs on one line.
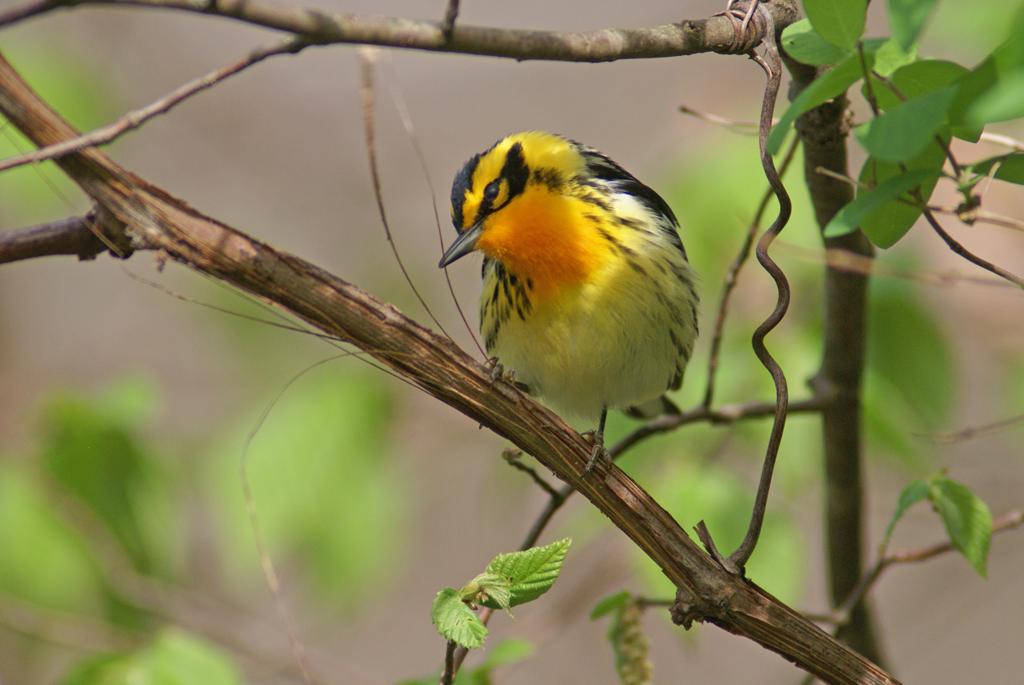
{"points": [[33, 193], [173, 658]]}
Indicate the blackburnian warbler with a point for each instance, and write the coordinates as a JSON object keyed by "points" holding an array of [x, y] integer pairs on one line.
{"points": [[587, 296]]}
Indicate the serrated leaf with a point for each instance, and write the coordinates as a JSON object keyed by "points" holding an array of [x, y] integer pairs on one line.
{"points": [[840, 22], [802, 43], [531, 572], [914, 492], [967, 518], [1011, 167], [456, 621], [903, 132], [827, 86], [907, 18], [867, 202], [891, 221], [609, 604]]}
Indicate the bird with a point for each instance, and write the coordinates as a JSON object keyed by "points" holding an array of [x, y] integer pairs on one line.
{"points": [[588, 301]]}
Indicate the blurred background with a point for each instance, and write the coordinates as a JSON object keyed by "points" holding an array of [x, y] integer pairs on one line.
{"points": [[124, 411]]}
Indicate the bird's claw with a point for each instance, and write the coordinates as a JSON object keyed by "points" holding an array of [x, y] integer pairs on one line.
{"points": [[499, 372], [598, 453]]}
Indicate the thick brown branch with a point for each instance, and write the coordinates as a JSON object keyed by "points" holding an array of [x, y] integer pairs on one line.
{"points": [[435, 364], [690, 36]]}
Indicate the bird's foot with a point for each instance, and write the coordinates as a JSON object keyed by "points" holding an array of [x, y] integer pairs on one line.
{"points": [[598, 453], [499, 372]]}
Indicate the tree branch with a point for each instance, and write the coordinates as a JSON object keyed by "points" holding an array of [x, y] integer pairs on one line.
{"points": [[155, 219], [823, 132], [76, 235], [687, 37]]}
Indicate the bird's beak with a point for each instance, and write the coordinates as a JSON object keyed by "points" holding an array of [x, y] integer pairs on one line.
{"points": [[463, 245]]}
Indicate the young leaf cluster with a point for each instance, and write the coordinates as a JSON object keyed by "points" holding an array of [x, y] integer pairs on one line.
{"points": [[509, 580], [918, 106]]}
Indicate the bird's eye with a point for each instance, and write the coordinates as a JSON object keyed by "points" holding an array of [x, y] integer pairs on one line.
{"points": [[491, 191]]}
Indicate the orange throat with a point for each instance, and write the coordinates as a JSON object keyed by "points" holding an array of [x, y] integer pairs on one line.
{"points": [[545, 238]]}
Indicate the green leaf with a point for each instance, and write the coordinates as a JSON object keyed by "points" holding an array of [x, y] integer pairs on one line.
{"points": [[891, 221], [916, 79], [909, 350], [907, 18], [531, 572], [840, 22], [42, 559], [1011, 167], [508, 651], [174, 658], [973, 104], [1002, 102], [827, 86], [849, 218], [904, 131], [802, 43], [456, 621], [967, 518], [92, 449], [890, 56], [609, 604], [915, 491]]}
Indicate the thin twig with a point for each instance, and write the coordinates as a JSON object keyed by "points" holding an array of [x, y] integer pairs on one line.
{"points": [[741, 127], [687, 37], [840, 616], [970, 432], [852, 262], [135, 118], [514, 459], [448, 676], [973, 215], [266, 562], [406, 117], [366, 63], [1005, 141], [732, 275], [29, 9], [451, 13], [959, 249]]}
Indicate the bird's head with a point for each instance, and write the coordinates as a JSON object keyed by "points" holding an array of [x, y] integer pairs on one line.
{"points": [[523, 202]]}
